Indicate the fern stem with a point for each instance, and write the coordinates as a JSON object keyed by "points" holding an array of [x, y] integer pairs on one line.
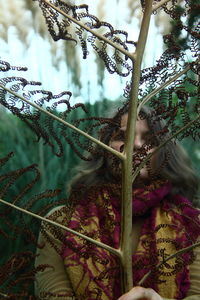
{"points": [[96, 141], [168, 258], [99, 36], [148, 157], [161, 87], [4, 295], [126, 230], [159, 4], [97, 243]]}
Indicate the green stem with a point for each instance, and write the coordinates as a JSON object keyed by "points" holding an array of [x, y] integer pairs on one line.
{"points": [[97, 243], [159, 4], [168, 258], [126, 230], [99, 36], [148, 157], [106, 147], [153, 93]]}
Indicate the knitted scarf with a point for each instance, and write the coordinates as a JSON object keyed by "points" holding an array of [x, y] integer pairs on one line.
{"points": [[170, 224]]}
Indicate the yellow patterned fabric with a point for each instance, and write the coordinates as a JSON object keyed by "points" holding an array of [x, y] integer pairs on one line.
{"points": [[166, 286], [95, 273]]}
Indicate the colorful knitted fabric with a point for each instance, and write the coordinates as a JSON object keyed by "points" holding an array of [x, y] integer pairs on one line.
{"points": [[170, 224]]}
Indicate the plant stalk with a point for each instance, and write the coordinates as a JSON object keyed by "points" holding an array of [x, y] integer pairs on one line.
{"points": [[126, 228], [99, 36], [154, 92], [96, 141], [159, 4], [168, 258], [97, 243], [148, 157]]}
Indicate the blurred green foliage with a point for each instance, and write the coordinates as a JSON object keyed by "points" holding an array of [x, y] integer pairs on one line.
{"points": [[17, 137]]}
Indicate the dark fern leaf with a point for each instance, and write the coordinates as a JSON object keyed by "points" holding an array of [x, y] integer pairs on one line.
{"points": [[61, 27], [44, 126]]}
